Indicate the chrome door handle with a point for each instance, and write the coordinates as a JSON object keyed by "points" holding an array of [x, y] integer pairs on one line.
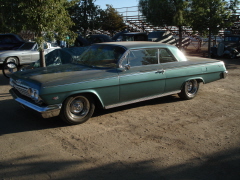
{"points": [[161, 71]]}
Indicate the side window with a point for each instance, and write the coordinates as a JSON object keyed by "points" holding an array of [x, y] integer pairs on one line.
{"points": [[143, 57], [35, 47], [8, 39], [165, 56], [13, 39]]}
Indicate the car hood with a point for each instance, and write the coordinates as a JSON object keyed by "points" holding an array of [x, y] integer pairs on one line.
{"points": [[62, 75]]}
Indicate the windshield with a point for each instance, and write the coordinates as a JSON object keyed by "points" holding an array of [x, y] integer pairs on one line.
{"points": [[105, 56], [27, 46]]}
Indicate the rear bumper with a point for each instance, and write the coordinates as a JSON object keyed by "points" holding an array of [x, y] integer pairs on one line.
{"points": [[224, 74], [46, 111]]}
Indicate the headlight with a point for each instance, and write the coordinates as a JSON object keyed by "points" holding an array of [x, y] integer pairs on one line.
{"points": [[30, 92], [33, 93]]}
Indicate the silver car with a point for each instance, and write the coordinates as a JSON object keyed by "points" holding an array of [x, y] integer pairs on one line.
{"points": [[26, 54]]}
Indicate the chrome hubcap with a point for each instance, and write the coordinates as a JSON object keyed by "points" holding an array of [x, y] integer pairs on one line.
{"points": [[76, 106], [189, 86], [79, 107]]}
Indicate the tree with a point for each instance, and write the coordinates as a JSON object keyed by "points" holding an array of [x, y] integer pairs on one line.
{"points": [[10, 16], [111, 20], [209, 16], [166, 13], [45, 19], [85, 15]]}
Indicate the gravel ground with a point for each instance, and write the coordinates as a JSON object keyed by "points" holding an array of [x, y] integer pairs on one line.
{"points": [[165, 138]]}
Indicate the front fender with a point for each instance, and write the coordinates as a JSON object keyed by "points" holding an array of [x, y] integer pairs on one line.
{"points": [[61, 97]]}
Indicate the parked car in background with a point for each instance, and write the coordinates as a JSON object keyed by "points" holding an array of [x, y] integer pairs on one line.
{"points": [[81, 42], [91, 39], [113, 74], [132, 36], [25, 54], [10, 41], [56, 57], [59, 57], [229, 47], [98, 38]]}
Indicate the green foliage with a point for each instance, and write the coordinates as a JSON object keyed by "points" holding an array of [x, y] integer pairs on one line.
{"points": [[111, 20], [211, 15], [46, 17], [165, 12], [10, 16], [85, 15]]}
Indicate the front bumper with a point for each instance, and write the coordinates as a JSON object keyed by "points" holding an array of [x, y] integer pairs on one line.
{"points": [[46, 111]]}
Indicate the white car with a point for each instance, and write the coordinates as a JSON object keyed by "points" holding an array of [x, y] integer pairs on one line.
{"points": [[25, 54]]}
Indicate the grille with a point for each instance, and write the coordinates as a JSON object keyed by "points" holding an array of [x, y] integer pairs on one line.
{"points": [[20, 88]]}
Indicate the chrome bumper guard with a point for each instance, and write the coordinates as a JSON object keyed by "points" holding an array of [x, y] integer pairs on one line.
{"points": [[46, 112], [224, 74]]}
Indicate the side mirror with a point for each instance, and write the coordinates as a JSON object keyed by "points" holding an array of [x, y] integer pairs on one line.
{"points": [[127, 66]]}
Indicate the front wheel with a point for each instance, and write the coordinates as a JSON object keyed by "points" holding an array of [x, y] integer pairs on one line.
{"points": [[77, 109], [12, 59], [189, 90]]}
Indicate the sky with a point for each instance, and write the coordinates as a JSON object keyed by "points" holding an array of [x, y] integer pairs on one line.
{"points": [[116, 3]]}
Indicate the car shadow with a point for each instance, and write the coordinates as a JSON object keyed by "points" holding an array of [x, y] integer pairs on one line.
{"points": [[161, 100], [16, 119], [3, 80]]}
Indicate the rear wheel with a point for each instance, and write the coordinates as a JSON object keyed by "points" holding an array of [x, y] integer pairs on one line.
{"points": [[77, 109], [9, 68], [189, 90]]}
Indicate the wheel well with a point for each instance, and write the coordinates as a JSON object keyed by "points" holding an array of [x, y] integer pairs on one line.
{"points": [[98, 103], [200, 80], [18, 62]]}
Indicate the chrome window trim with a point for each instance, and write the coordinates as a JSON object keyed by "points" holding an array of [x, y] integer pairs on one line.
{"points": [[139, 73]]}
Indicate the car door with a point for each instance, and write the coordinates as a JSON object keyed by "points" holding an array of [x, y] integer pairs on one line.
{"points": [[35, 54], [25, 56], [30, 55], [144, 78], [175, 71]]}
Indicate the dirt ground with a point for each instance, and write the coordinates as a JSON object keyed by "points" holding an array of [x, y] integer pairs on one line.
{"points": [[164, 139]]}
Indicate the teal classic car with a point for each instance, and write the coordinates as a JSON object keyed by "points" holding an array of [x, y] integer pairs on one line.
{"points": [[112, 74]]}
